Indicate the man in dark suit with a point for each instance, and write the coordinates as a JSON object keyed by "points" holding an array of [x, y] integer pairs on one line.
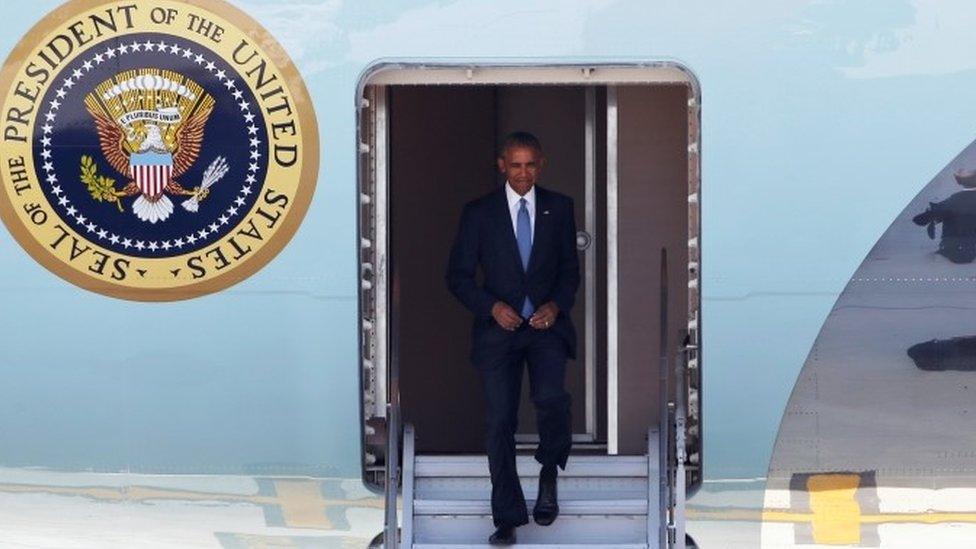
{"points": [[524, 239]]}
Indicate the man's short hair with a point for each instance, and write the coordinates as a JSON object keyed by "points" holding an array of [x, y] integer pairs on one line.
{"points": [[520, 140]]}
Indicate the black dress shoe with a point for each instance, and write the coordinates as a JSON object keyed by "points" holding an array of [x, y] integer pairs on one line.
{"points": [[504, 535], [546, 505]]}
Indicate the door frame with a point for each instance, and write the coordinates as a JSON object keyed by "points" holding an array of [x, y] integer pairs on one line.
{"points": [[375, 357]]}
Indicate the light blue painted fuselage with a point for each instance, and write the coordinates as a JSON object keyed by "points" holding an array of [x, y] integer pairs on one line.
{"points": [[820, 121]]}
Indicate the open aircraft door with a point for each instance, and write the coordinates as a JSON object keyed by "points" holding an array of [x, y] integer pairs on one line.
{"points": [[623, 142]]}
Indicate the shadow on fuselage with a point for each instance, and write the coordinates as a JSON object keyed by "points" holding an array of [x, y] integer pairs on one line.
{"points": [[957, 214], [939, 355]]}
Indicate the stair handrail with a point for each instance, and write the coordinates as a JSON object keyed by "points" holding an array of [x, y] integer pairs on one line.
{"points": [[408, 474], [674, 422], [392, 470], [664, 449], [680, 451], [391, 537]]}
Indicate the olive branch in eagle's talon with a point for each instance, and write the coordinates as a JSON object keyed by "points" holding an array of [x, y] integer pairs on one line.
{"points": [[100, 187]]}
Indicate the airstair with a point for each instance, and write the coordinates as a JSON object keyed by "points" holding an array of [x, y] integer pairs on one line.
{"points": [[605, 501]]}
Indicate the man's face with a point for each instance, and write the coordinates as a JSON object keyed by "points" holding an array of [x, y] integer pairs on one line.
{"points": [[521, 166]]}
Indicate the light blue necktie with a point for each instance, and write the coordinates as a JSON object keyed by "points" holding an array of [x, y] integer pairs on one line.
{"points": [[523, 234]]}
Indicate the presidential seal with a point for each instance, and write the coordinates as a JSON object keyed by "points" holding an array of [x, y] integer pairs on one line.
{"points": [[154, 151]]}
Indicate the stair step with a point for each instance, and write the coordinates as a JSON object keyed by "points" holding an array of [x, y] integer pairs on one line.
{"points": [[566, 507], [572, 488], [533, 546], [578, 466], [578, 531]]}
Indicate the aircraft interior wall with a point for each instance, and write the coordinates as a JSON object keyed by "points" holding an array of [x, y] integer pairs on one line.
{"points": [[441, 146], [653, 214]]}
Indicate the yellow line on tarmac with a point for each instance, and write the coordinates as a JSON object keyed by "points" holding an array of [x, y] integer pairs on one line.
{"points": [[301, 501], [835, 514], [302, 505], [925, 518], [751, 515]]}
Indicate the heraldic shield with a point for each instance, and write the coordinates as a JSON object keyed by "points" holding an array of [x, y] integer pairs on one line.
{"points": [[151, 171], [151, 127]]}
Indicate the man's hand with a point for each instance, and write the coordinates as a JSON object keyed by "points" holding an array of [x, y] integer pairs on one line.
{"points": [[923, 218], [545, 316], [505, 316]]}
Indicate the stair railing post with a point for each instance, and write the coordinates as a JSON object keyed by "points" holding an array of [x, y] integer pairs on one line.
{"points": [[391, 538], [392, 473], [667, 409], [408, 474], [680, 451]]}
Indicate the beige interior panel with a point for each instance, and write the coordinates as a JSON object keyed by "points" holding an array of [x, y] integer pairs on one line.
{"points": [[652, 147], [442, 143]]}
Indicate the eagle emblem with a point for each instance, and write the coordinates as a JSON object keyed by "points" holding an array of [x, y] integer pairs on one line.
{"points": [[150, 125]]}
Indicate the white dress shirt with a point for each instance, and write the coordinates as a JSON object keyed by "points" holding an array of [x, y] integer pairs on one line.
{"points": [[513, 207]]}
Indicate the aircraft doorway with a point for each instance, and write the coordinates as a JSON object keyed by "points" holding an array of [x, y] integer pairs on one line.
{"points": [[622, 142], [442, 148]]}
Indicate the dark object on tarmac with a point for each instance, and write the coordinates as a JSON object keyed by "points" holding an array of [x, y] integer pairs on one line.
{"points": [[939, 355]]}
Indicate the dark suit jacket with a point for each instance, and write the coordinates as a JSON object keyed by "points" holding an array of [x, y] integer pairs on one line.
{"points": [[485, 238]]}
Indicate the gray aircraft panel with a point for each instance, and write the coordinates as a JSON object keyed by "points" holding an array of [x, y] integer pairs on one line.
{"points": [[887, 395]]}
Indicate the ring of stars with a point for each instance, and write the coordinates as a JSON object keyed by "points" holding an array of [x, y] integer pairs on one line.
{"points": [[83, 223]]}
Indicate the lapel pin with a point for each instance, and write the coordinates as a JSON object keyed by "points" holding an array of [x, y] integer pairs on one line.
{"points": [[545, 212]]}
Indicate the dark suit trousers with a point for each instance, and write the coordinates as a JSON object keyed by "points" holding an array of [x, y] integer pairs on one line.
{"points": [[501, 373]]}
